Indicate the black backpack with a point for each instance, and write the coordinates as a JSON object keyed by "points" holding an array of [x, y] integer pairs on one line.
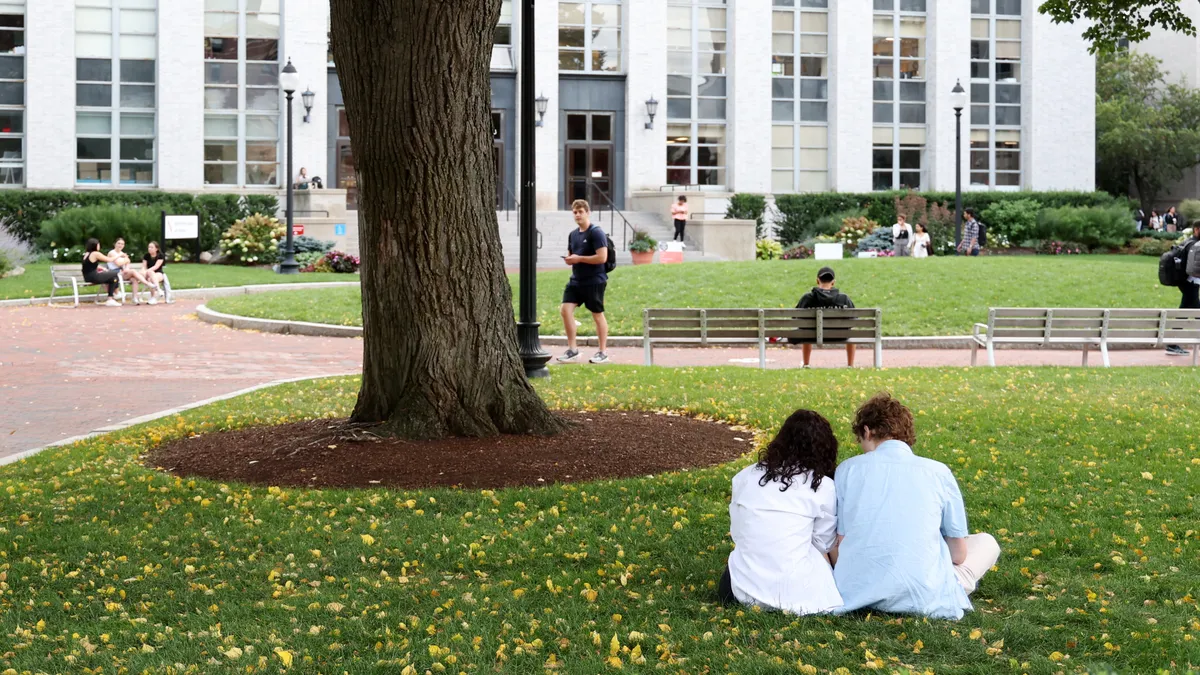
{"points": [[982, 234], [1172, 266], [611, 263]]}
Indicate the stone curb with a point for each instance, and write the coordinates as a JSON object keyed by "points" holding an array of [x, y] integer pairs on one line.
{"points": [[276, 326], [199, 292], [24, 454]]}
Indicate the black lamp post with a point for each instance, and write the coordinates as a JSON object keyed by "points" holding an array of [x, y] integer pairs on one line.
{"points": [[958, 99], [289, 81], [529, 345]]}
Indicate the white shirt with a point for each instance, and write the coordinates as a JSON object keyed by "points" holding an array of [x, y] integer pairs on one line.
{"points": [[780, 539], [919, 241], [897, 228]]}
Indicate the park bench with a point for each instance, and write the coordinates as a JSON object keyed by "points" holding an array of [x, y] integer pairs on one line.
{"points": [[728, 327], [71, 276], [1090, 328]]}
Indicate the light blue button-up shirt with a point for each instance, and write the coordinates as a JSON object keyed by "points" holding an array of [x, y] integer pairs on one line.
{"points": [[894, 509]]}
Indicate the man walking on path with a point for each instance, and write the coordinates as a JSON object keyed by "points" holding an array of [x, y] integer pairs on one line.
{"points": [[1189, 291], [970, 237], [587, 251], [825, 296]]}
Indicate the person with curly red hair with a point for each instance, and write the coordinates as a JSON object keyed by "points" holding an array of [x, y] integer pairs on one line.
{"points": [[903, 543], [783, 519]]}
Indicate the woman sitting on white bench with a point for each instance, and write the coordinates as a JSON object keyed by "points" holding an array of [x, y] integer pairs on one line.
{"points": [[119, 260], [91, 274], [154, 261]]}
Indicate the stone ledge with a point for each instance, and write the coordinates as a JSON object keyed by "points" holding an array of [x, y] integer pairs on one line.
{"points": [[218, 292], [275, 326]]}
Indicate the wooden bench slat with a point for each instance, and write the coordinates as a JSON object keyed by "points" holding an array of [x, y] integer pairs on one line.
{"points": [[1054, 334]]}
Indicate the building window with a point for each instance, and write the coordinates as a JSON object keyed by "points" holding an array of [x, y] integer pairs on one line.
{"points": [[589, 36], [345, 178], [996, 94], [241, 92], [115, 92], [12, 93], [502, 44], [898, 50], [696, 92], [800, 96]]}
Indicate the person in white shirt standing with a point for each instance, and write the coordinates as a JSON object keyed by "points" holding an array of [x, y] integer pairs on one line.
{"points": [[783, 518], [902, 235]]}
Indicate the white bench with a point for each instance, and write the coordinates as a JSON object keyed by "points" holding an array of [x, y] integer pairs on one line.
{"points": [[71, 276], [1090, 328], [726, 327]]}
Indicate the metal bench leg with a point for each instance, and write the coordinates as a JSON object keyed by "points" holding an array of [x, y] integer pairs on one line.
{"points": [[762, 353], [974, 352], [168, 296], [649, 357], [878, 354], [1104, 355], [75, 289], [1195, 354], [991, 350], [1085, 354]]}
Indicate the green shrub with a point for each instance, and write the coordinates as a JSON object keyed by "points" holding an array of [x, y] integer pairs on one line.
{"points": [[767, 249], [22, 212], [5, 265], [1015, 220], [1152, 247], [1093, 226], [72, 228], [854, 230], [253, 240], [642, 242], [306, 244], [748, 207], [1189, 209], [797, 252], [798, 214], [832, 224], [1055, 247], [880, 240]]}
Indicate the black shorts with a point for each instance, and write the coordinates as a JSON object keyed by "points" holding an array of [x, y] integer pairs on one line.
{"points": [[590, 296]]}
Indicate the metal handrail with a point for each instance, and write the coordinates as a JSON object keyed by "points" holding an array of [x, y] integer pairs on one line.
{"points": [[612, 208], [516, 202]]}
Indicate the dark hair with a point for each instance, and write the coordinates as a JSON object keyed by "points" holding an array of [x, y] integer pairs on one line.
{"points": [[92, 244], [970, 212], [804, 443], [156, 247], [887, 418], [922, 227], [120, 239], [683, 198]]}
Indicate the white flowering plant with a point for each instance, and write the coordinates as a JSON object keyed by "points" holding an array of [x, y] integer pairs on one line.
{"points": [[253, 240]]}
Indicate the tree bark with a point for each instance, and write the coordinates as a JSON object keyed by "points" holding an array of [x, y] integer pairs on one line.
{"points": [[439, 339]]}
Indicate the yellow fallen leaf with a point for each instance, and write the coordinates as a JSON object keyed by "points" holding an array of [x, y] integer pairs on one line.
{"points": [[614, 646], [284, 656], [368, 539], [1056, 656], [975, 634]]}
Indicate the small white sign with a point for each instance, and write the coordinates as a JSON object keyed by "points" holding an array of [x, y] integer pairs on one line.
{"points": [[182, 227], [828, 252]]}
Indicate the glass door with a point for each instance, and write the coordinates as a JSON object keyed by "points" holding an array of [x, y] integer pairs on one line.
{"points": [[589, 159]]}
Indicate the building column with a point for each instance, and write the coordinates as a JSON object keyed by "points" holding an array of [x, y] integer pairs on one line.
{"points": [[948, 61], [646, 64], [749, 99], [180, 145], [546, 77], [1058, 102], [305, 24], [50, 94], [851, 113]]}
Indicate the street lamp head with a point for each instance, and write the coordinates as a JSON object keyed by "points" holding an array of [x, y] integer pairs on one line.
{"points": [[651, 110], [289, 79], [542, 102], [958, 97]]}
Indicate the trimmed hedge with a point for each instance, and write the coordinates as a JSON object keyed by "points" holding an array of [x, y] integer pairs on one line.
{"points": [[799, 213], [22, 212], [74, 227], [748, 207]]}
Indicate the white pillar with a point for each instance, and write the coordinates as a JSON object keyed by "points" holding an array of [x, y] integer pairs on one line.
{"points": [[646, 65], [1059, 106], [180, 150], [50, 94], [851, 113], [546, 77], [949, 60], [305, 23], [749, 98]]}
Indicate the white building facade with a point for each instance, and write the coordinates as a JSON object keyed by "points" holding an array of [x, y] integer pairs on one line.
{"points": [[762, 96]]}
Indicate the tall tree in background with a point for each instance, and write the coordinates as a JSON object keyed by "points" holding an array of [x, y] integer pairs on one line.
{"points": [[439, 341], [1112, 20], [1147, 131]]}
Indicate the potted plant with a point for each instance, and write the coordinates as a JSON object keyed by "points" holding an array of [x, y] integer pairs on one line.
{"points": [[642, 248]]}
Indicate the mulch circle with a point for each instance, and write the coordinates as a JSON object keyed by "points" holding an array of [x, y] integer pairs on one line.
{"points": [[329, 453]]}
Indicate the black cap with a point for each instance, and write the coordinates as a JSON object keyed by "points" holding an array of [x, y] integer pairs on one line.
{"points": [[825, 274]]}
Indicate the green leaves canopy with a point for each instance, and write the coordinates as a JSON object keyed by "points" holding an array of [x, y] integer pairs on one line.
{"points": [[1113, 20]]}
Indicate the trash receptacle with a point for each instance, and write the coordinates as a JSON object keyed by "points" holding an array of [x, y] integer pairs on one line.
{"points": [[670, 252]]}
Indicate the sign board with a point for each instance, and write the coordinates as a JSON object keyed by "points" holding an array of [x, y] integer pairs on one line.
{"points": [[181, 227], [297, 229], [827, 252], [339, 230]]}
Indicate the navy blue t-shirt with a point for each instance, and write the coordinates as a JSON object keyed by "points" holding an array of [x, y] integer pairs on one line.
{"points": [[587, 243]]}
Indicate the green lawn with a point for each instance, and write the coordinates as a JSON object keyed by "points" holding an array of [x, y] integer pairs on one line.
{"points": [[35, 282], [1087, 478], [939, 296]]}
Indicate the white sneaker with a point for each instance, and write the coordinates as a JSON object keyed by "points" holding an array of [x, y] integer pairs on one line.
{"points": [[153, 300], [112, 303]]}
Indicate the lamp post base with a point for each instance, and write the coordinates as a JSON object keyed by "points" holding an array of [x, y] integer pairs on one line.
{"points": [[289, 265], [529, 346]]}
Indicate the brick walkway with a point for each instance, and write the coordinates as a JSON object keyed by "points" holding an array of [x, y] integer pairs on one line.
{"points": [[66, 372]]}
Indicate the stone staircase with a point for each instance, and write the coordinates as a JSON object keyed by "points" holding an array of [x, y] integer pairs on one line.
{"points": [[556, 226]]}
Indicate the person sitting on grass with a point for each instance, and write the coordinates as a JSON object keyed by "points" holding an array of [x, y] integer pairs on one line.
{"points": [[903, 543], [783, 519], [824, 296], [92, 258], [119, 260]]}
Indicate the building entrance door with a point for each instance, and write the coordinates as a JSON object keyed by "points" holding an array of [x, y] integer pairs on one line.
{"points": [[589, 159]]}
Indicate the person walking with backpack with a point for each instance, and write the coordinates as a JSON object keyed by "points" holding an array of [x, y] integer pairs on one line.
{"points": [[588, 255], [1189, 289], [971, 238]]}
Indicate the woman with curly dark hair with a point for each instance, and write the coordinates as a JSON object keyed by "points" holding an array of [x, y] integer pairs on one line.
{"points": [[783, 518]]}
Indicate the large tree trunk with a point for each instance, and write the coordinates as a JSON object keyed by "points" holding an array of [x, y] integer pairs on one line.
{"points": [[439, 340]]}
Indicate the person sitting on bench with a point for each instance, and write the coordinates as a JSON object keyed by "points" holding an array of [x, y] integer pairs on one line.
{"points": [[92, 275], [824, 296], [119, 260]]}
